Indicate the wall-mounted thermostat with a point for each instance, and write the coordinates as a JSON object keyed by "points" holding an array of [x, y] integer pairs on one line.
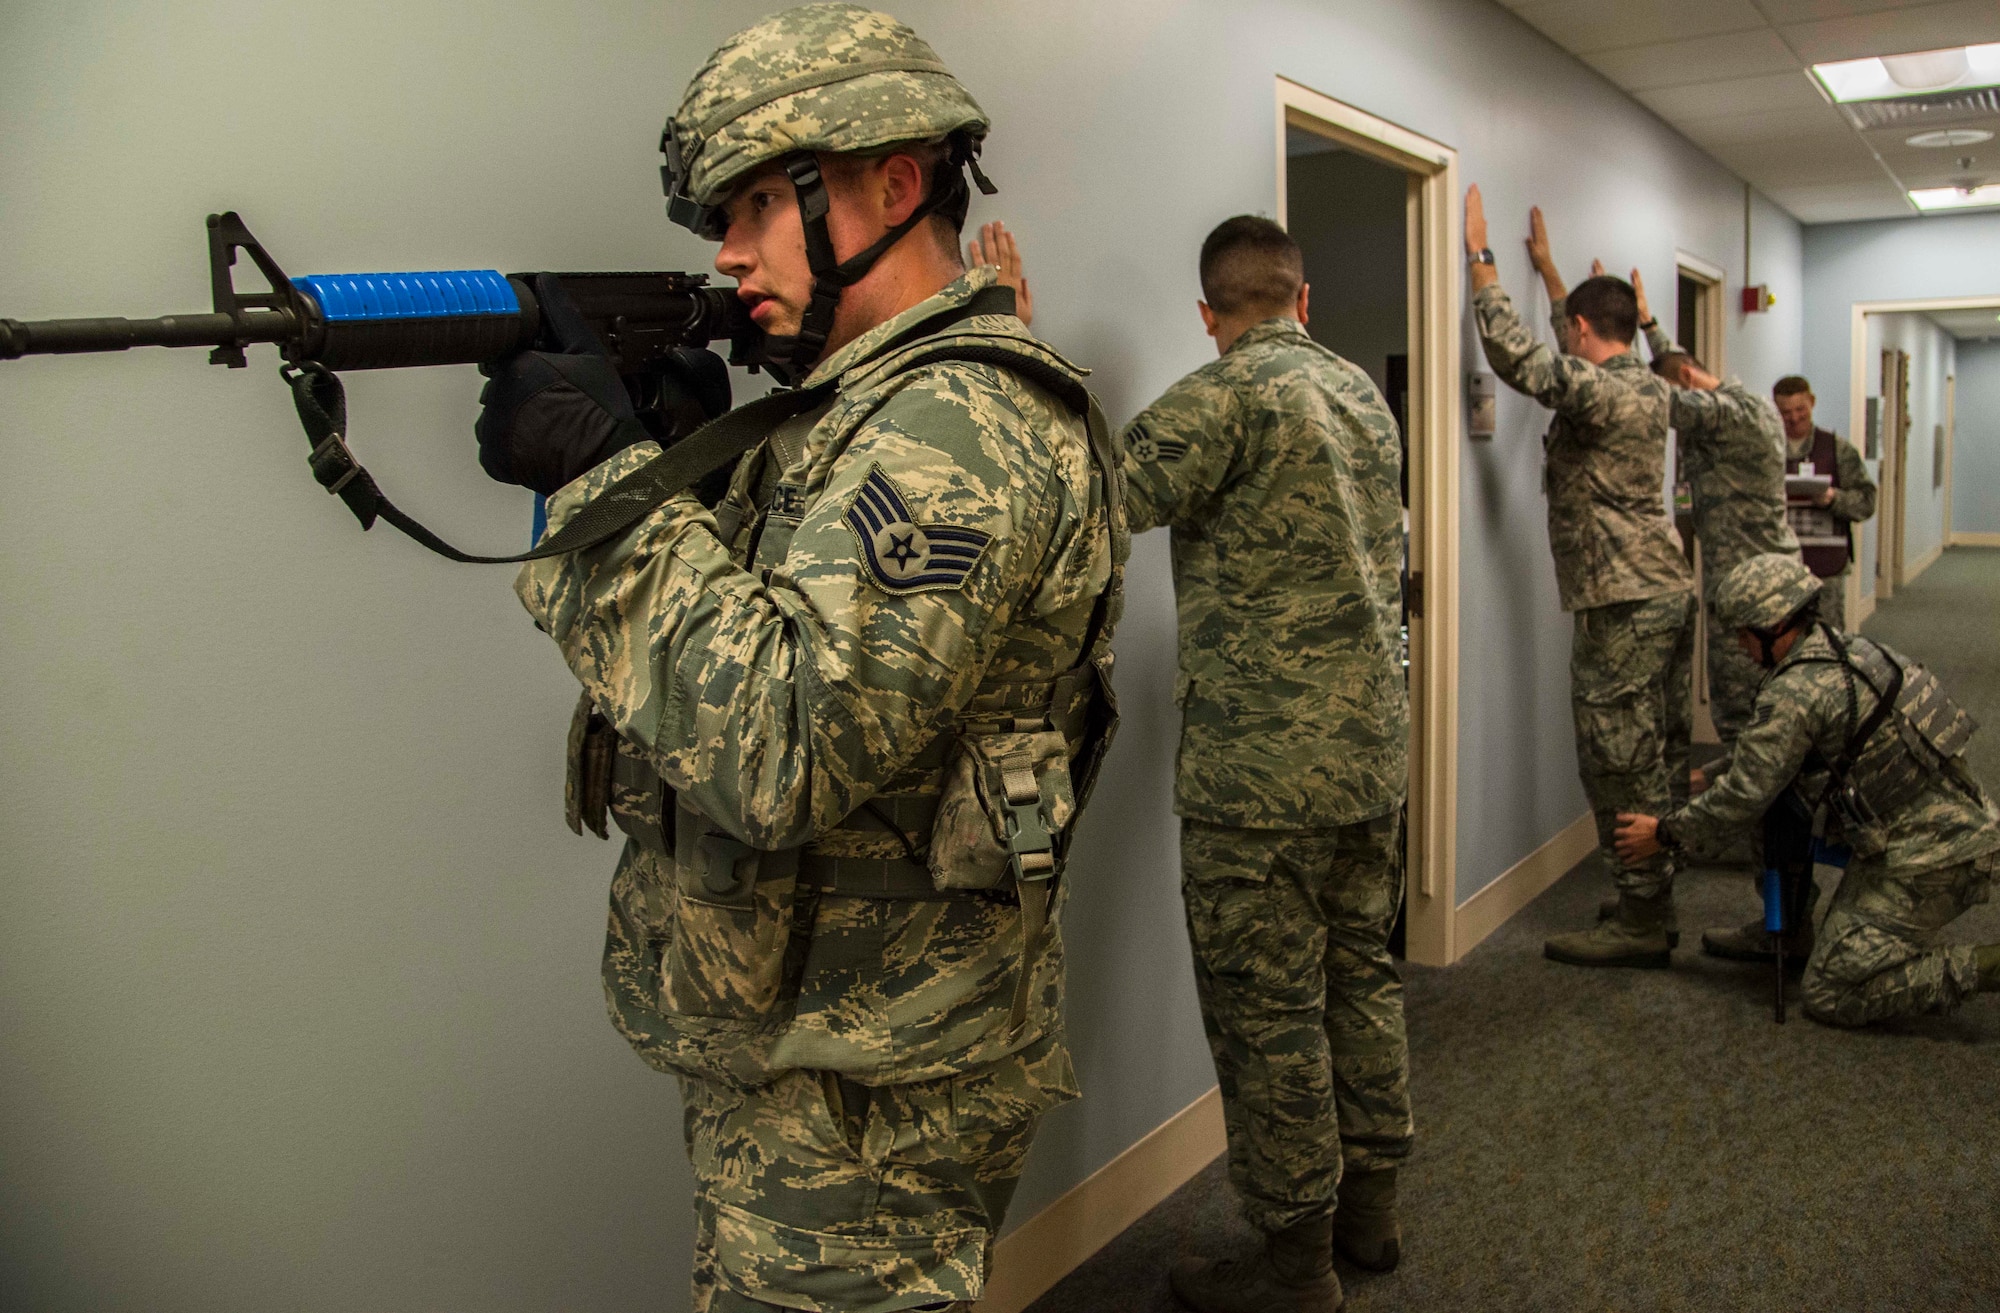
{"points": [[1482, 406]]}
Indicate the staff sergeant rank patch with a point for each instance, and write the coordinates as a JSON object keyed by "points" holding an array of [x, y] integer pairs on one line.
{"points": [[900, 556], [1144, 446]]}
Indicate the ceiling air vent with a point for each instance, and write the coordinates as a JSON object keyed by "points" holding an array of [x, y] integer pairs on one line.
{"points": [[1937, 107]]}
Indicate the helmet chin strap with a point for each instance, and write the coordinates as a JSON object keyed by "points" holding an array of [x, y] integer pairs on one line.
{"points": [[1767, 639], [831, 275]]}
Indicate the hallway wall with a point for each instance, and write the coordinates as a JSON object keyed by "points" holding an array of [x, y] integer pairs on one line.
{"points": [[1975, 483], [1885, 260], [298, 992]]}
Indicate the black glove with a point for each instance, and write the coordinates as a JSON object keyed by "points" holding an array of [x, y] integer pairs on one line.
{"points": [[551, 416]]}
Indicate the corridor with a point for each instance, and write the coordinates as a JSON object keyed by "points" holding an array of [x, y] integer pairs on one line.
{"points": [[1651, 1140]]}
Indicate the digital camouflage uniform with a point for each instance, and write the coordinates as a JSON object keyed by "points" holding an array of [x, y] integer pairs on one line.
{"points": [[858, 1102], [1619, 571], [1276, 467], [838, 714], [1732, 455], [1853, 503], [1925, 864]]}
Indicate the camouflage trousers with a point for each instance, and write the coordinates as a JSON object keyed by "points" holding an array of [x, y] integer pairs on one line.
{"points": [[1733, 681], [1874, 958], [1631, 670], [1302, 1004], [816, 1192], [1833, 600]]}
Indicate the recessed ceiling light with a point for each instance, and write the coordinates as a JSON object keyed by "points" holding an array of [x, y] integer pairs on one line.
{"points": [[1955, 198], [1949, 137], [1881, 76]]}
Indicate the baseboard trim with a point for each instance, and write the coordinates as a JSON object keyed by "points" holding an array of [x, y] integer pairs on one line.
{"points": [[1859, 612], [1970, 538], [1921, 564], [1056, 1241], [1522, 883]]}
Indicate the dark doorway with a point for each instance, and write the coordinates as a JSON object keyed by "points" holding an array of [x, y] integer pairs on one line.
{"points": [[1687, 317], [1350, 215]]}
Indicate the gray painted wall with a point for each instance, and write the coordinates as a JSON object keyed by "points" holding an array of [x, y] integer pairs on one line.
{"points": [[1975, 454], [298, 995], [1890, 259], [1932, 353]]}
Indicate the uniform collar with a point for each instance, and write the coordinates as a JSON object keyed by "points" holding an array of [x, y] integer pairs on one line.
{"points": [[1268, 330], [1624, 360], [864, 348]]}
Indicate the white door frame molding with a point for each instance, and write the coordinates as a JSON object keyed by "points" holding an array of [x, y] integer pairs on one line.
{"points": [[1436, 422]]}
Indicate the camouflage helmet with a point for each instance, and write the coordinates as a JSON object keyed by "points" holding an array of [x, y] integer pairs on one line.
{"points": [[832, 78], [1764, 592]]}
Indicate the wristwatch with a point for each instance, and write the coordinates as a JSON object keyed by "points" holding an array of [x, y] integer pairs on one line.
{"points": [[1484, 255], [1650, 324]]}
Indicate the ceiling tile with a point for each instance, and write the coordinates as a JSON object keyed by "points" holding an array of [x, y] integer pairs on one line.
{"points": [[1822, 123], [1914, 173], [1806, 11], [1794, 164], [1584, 26], [1733, 98], [1895, 31], [1703, 59], [1841, 203]]}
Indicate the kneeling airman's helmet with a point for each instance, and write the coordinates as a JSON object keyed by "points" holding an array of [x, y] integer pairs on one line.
{"points": [[1763, 594], [832, 78]]}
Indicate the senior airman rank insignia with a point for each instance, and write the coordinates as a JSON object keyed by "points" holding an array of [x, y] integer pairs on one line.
{"points": [[1144, 446], [901, 556]]}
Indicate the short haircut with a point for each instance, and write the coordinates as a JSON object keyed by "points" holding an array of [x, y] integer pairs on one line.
{"points": [[1608, 305], [1249, 263], [934, 163], [1669, 365], [1791, 385]]}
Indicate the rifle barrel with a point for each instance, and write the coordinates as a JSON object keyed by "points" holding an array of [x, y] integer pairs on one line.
{"points": [[39, 337]]}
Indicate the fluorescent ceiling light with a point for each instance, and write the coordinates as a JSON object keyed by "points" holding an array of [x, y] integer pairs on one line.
{"points": [[1879, 77], [1955, 198]]}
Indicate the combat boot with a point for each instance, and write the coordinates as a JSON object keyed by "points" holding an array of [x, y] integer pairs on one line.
{"points": [[1292, 1273], [1635, 937], [1609, 908], [1752, 943], [1365, 1230]]}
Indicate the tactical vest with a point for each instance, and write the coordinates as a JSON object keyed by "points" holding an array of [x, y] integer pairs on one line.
{"points": [[985, 809], [1816, 526], [1913, 735]]}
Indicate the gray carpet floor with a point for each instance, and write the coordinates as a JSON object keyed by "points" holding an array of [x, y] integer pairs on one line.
{"points": [[1651, 1140]]}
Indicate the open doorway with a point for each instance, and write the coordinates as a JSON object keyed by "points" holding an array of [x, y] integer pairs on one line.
{"points": [[1903, 402], [1374, 206]]}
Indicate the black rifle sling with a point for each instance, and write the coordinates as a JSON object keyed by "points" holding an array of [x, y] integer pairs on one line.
{"points": [[322, 405]]}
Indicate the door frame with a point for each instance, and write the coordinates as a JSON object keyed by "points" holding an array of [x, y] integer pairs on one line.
{"points": [[1857, 406], [1435, 421], [1949, 439], [1711, 347], [1711, 313]]}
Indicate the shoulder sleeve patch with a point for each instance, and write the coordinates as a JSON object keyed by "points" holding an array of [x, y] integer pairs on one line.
{"points": [[1144, 446], [901, 556]]}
